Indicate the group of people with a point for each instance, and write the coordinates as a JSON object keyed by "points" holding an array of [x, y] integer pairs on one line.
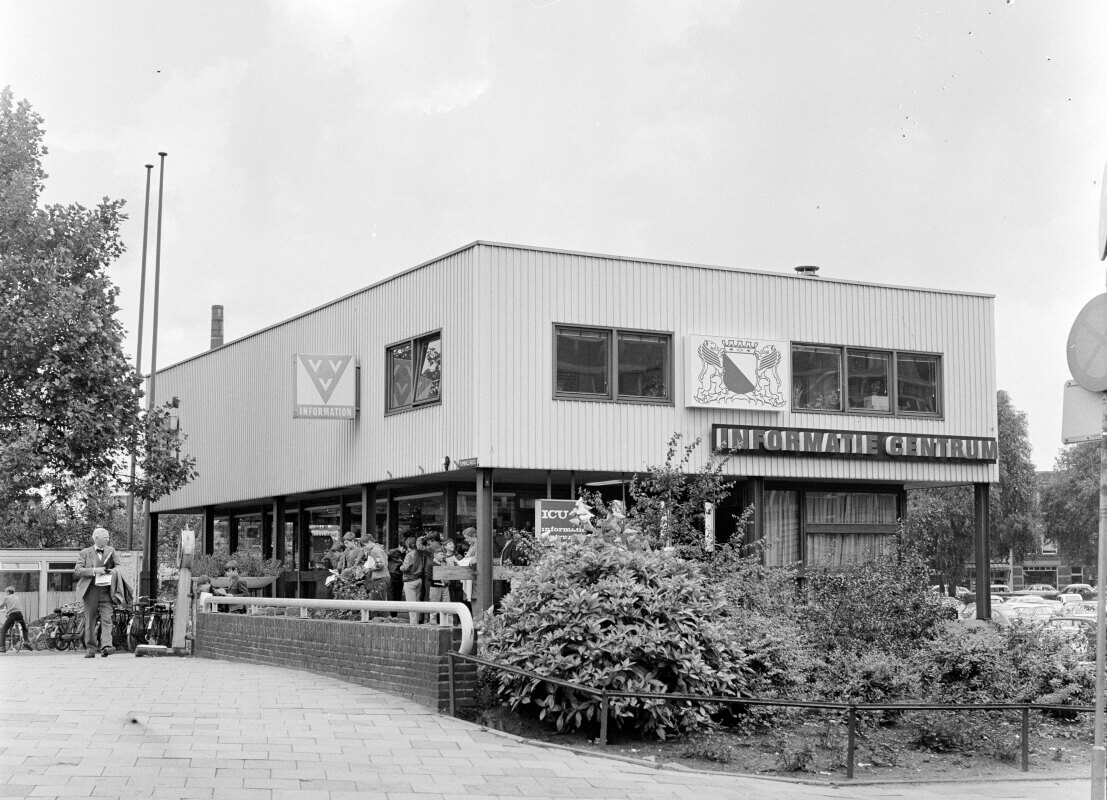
{"points": [[407, 572]]}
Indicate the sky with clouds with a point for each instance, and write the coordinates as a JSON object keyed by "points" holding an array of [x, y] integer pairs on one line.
{"points": [[316, 148]]}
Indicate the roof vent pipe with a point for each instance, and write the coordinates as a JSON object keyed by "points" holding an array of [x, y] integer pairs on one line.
{"points": [[808, 271], [216, 327]]}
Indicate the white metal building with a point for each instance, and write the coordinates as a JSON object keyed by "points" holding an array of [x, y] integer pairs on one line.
{"points": [[464, 389]]}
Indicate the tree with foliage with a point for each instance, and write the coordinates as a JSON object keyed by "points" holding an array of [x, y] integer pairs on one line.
{"points": [[668, 500], [1012, 505], [70, 411], [943, 521], [1070, 503], [945, 517]]}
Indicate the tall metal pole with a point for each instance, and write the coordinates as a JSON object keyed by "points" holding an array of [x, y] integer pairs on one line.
{"points": [[138, 356], [150, 560], [1099, 753]]}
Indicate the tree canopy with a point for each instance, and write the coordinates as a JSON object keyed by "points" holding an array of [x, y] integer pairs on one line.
{"points": [[1070, 503], [70, 411]]}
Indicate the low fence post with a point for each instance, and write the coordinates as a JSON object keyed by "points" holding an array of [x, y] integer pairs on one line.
{"points": [[1026, 738], [851, 739], [604, 708], [453, 697]]}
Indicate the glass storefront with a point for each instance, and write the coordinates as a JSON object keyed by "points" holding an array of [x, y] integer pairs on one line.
{"points": [[421, 515]]}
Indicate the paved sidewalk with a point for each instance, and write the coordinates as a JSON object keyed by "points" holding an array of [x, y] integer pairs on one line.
{"points": [[129, 727]]}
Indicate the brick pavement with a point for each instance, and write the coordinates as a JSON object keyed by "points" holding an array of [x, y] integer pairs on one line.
{"points": [[128, 727]]}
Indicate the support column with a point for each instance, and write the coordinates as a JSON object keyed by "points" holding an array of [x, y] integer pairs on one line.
{"points": [[276, 540], [573, 485], [757, 499], [369, 511], [983, 551], [150, 575], [549, 484], [266, 531], [393, 522], [209, 530], [451, 512], [232, 533], [482, 586], [343, 515], [303, 536]]}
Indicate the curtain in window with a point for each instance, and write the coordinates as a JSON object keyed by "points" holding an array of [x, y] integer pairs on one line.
{"points": [[782, 543], [835, 549], [851, 508]]}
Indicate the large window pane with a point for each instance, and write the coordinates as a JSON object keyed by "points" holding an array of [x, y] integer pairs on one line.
{"points": [[400, 383], [782, 540], [836, 549], [643, 365], [917, 384], [430, 370], [816, 378], [851, 508], [583, 361], [421, 515], [868, 380]]}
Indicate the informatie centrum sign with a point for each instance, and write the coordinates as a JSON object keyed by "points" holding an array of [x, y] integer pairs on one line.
{"points": [[773, 441]]}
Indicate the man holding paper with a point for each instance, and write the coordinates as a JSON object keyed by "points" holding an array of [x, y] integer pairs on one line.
{"points": [[93, 572]]}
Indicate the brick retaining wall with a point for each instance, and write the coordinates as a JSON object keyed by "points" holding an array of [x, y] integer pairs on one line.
{"points": [[407, 660]]}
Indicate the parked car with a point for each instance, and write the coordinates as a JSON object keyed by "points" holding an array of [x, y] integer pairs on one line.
{"points": [[1030, 613], [1042, 590], [1000, 588], [1087, 608], [1085, 590]]}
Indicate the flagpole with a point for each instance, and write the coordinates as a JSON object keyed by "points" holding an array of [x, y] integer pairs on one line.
{"points": [[150, 559], [138, 357]]}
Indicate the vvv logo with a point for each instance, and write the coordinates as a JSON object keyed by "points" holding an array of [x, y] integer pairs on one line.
{"points": [[325, 373]]}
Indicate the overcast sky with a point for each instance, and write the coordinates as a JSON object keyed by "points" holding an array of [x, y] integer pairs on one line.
{"points": [[316, 148]]}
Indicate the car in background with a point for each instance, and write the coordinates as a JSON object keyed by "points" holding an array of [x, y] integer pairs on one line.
{"points": [[1038, 590], [1031, 613], [969, 611], [1085, 590], [999, 588]]}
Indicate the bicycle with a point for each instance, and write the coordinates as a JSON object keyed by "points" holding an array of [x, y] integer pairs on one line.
{"points": [[14, 639], [159, 629], [138, 623], [120, 623], [37, 638], [66, 629]]}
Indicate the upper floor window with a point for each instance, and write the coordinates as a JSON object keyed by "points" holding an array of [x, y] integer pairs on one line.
{"points": [[857, 380], [612, 364], [414, 373]]}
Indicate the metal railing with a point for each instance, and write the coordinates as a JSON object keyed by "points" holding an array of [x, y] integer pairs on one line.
{"points": [[851, 709], [366, 607]]}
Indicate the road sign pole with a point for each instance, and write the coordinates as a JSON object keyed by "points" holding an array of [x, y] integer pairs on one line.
{"points": [[1099, 753]]}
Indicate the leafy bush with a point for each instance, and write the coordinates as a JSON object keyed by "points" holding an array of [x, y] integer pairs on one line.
{"points": [[1046, 668], [884, 603], [604, 616], [872, 677], [967, 665]]}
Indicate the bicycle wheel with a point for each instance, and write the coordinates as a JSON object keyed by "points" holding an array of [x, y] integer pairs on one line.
{"points": [[38, 638]]}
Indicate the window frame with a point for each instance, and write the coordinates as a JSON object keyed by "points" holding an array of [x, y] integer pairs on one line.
{"points": [[612, 395], [893, 410], [418, 348]]}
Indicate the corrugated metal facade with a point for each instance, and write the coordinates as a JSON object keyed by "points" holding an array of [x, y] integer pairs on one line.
{"points": [[496, 306], [538, 432]]}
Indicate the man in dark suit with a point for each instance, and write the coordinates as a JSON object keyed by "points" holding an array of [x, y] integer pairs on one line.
{"points": [[92, 564]]}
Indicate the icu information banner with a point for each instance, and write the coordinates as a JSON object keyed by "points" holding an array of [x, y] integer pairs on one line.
{"points": [[324, 386]]}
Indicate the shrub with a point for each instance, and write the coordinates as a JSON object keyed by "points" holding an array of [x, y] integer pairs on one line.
{"points": [[872, 677], [1046, 668], [967, 665], [884, 603], [604, 616]]}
